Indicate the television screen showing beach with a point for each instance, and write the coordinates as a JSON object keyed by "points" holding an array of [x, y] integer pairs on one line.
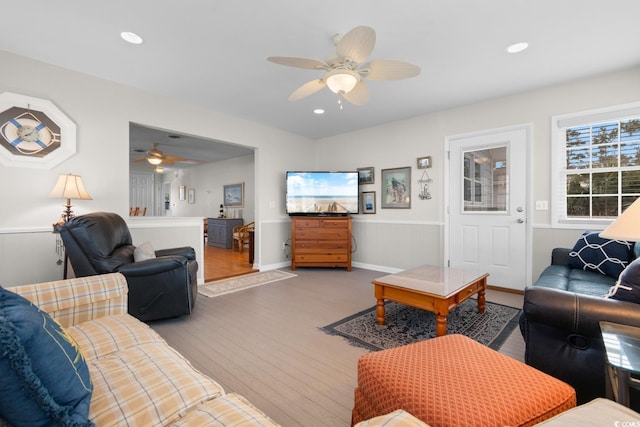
{"points": [[322, 192]]}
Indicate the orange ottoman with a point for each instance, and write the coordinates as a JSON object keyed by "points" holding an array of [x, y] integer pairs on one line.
{"points": [[454, 381]]}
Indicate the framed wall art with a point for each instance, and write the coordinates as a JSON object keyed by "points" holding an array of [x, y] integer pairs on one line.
{"points": [[396, 188], [181, 192], [233, 195], [366, 175], [34, 132], [424, 162], [368, 202], [191, 195]]}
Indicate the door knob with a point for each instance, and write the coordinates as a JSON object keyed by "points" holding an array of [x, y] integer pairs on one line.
{"points": [[520, 220], [519, 208]]}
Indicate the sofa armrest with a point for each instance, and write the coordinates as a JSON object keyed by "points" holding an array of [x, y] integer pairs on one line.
{"points": [[561, 330], [397, 418], [186, 251], [80, 299], [560, 256], [576, 313]]}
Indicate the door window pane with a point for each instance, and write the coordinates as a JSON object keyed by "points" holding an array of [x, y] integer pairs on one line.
{"points": [[486, 183]]}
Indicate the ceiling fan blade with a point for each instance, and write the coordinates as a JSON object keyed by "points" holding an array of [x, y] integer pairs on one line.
{"points": [[383, 69], [357, 44], [311, 64], [169, 157], [359, 95], [307, 89], [140, 159]]}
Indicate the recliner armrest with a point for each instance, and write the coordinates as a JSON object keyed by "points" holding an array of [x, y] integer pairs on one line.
{"points": [[153, 266], [186, 251]]}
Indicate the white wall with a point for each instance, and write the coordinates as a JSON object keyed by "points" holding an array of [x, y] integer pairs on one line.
{"points": [[102, 111], [399, 144], [208, 181], [391, 239]]}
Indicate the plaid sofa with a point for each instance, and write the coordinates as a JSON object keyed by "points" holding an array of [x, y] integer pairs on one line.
{"points": [[138, 379]]}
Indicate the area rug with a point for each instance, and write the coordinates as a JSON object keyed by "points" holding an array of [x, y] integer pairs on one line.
{"points": [[238, 283], [405, 325]]}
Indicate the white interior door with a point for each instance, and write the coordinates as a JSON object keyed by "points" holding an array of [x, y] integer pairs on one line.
{"points": [[141, 191], [487, 219]]}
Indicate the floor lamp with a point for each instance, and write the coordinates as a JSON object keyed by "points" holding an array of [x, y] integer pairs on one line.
{"points": [[68, 187]]}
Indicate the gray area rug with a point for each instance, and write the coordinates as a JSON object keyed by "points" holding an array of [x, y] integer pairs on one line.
{"points": [[405, 325], [239, 283]]}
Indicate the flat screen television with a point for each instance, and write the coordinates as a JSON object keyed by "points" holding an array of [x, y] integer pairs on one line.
{"points": [[322, 193]]}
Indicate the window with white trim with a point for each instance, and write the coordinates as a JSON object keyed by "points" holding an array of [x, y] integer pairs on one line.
{"points": [[597, 163]]}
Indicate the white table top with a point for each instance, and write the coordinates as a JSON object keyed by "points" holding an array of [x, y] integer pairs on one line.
{"points": [[430, 279]]}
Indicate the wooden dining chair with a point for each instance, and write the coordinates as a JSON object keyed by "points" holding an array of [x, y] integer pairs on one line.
{"points": [[241, 235]]}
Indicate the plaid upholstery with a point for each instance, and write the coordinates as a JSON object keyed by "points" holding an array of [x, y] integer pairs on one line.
{"points": [[106, 335], [397, 418], [454, 381], [77, 300], [138, 379], [231, 410]]}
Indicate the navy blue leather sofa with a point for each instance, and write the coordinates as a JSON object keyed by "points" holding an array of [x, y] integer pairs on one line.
{"points": [[560, 324]]}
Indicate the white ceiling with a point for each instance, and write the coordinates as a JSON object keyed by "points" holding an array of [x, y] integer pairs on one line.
{"points": [[213, 52]]}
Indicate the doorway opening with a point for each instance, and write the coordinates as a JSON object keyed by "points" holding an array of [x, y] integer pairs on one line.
{"points": [[181, 175]]}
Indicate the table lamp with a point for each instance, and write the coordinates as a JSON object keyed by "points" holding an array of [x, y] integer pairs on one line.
{"points": [[627, 226], [69, 187]]}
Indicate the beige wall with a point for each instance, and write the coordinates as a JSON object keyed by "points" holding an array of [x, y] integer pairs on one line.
{"points": [[102, 111], [389, 240], [399, 144]]}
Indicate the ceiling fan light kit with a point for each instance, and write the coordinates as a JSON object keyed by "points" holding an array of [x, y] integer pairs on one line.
{"points": [[154, 160], [345, 74], [341, 81]]}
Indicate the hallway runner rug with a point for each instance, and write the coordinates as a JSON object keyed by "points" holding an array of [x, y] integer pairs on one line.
{"points": [[239, 283], [405, 325]]}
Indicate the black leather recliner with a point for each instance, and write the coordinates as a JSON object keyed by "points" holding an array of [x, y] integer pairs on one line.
{"points": [[561, 329], [159, 288]]}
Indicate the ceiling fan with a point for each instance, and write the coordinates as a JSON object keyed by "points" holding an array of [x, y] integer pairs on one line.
{"points": [[344, 75], [155, 157]]}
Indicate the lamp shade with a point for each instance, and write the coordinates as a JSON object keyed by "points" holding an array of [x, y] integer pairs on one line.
{"points": [[627, 226], [341, 81], [70, 187]]}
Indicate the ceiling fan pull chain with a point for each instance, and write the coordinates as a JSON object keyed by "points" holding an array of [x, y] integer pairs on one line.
{"points": [[340, 98]]}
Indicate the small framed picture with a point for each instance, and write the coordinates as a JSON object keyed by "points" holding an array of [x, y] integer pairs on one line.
{"points": [[396, 188], [368, 202], [191, 195], [182, 190], [424, 162], [233, 195], [366, 176]]}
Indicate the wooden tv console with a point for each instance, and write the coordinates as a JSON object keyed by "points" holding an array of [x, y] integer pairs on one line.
{"points": [[321, 241]]}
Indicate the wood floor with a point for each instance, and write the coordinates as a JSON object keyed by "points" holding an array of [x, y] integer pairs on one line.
{"points": [[265, 343], [221, 263]]}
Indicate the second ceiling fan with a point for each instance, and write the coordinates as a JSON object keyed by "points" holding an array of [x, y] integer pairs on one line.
{"points": [[345, 74], [156, 157]]}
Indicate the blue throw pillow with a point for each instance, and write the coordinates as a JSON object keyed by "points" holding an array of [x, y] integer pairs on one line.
{"points": [[44, 380], [627, 288], [609, 257]]}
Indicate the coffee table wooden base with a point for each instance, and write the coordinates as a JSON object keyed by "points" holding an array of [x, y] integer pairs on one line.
{"points": [[437, 304]]}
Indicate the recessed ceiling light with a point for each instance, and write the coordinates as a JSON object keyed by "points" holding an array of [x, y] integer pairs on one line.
{"points": [[130, 37], [517, 47], [318, 111]]}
